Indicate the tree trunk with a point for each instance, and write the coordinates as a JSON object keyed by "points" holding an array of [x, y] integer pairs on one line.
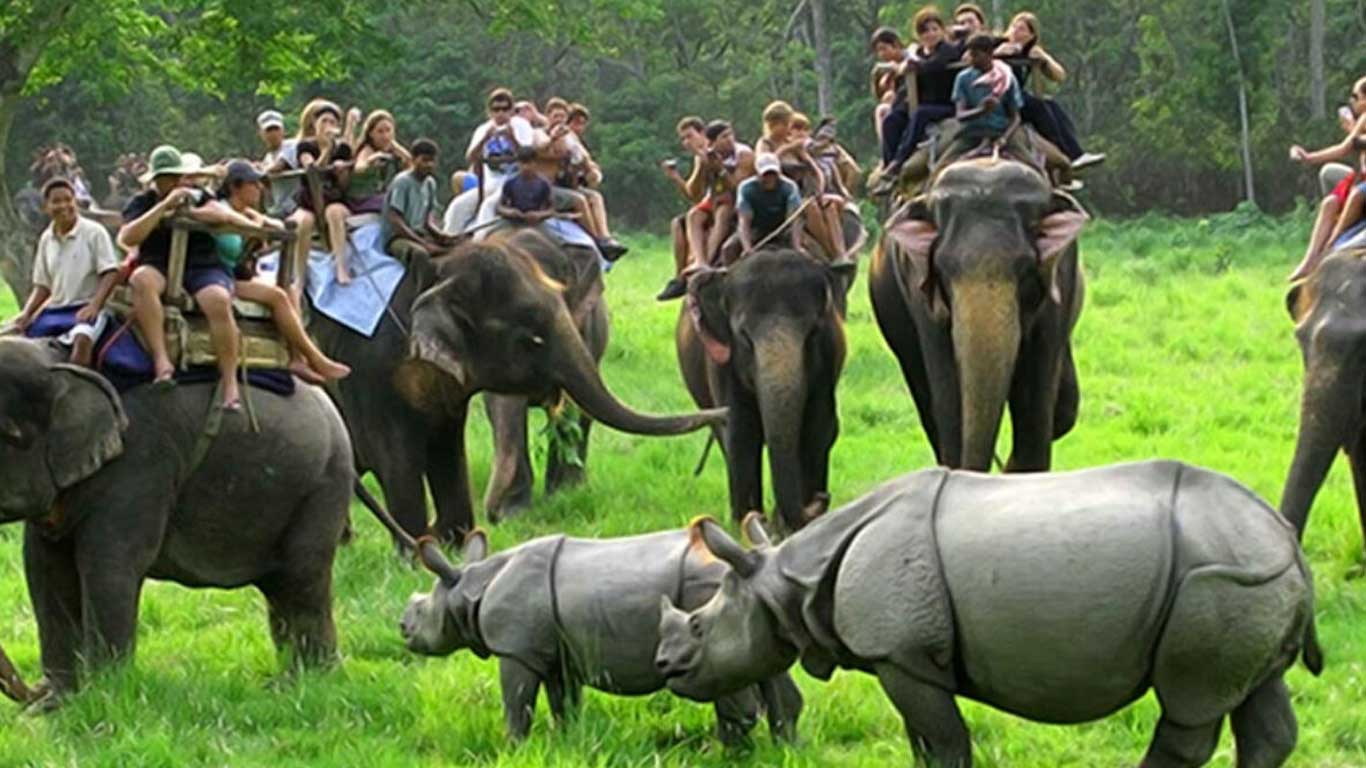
{"points": [[824, 59], [16, 243], [1249, 186], [1318, 101]]}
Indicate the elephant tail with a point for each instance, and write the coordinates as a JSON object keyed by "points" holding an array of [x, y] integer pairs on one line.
{"points": [[1312, 653], [401, 537]]}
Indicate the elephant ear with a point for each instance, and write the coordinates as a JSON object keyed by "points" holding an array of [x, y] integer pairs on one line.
{"points": [[1058, 230], [87, 426], [1299, 301], [707, 308], [914, 231]]}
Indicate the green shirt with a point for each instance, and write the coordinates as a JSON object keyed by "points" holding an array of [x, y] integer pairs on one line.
{"points": [[412, 199], [770, 208], [230, 246]]}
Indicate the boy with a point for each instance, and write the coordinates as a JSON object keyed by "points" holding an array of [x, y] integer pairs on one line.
{"points": [[407, 225], [75, 267], [526, 197], [986, 96]]}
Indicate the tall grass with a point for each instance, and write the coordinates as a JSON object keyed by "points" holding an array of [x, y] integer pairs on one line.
{"points": [[1184, 351]]}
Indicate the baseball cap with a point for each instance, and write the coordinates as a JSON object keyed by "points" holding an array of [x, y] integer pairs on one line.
{"points": [[240, 171], [270, 119], [767, 163]]}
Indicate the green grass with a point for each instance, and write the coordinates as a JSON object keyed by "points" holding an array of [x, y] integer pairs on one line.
{"points": [[1184, 351]]}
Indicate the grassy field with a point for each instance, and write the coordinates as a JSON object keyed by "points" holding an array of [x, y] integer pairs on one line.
{"points": [[1184, 351]]}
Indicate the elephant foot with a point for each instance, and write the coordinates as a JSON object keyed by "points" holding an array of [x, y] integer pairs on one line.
{"points": [[44, 699], [507, 507], [566, 476]]}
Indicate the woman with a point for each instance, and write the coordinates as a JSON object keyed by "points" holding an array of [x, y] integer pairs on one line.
{"points": [[1046, 115], [379, 157], [1341, 207], [904, 130], [241, 191], [324, 143]]}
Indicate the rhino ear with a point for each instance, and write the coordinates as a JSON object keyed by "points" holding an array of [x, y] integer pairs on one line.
{"points": [[430, 553], [753, 527], [476, 546], [87, 424], [710, 535]]}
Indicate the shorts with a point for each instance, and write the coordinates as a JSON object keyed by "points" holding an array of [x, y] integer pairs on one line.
{"points": [[91, 330], [197, 280], [709, 203], [564, 199]]}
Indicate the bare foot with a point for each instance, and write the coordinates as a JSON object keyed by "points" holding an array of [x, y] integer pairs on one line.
{"points": [[300, 368], [1306, 266], [329, 369], [232, 396], [343, 277], [165, 373]]}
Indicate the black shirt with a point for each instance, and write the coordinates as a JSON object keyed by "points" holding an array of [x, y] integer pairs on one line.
{"points": [[527, 193], [934, 78], [200, 251]]}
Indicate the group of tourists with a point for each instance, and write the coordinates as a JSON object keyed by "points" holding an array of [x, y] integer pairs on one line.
{"points": [[1342, 178], [742, 197], [964, 71]]}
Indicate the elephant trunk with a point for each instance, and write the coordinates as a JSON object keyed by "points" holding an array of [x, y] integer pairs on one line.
{"points": [[1330, 417], [986, 341], [780, 381], [578, 374]]}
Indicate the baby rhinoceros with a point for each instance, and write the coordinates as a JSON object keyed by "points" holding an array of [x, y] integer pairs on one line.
{"points": [[564, 613], [1060, 598]]}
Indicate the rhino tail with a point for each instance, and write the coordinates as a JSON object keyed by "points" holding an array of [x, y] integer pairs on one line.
{"points": [[1312, 653]]}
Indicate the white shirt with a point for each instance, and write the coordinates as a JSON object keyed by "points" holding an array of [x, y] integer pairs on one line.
{"points": [[521, 131], [70, 266]]}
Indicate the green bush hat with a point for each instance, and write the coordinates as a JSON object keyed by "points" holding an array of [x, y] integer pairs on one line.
{"points": [[164, 160]]}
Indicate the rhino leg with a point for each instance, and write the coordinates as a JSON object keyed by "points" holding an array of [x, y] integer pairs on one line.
{"points": [[933, 723], [1264, 726], [783, 702], [736, 716], [563, 694], [1179, 746], [520, 685]]}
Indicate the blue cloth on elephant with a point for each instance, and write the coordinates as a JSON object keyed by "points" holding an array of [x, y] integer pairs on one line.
{"points": [[360, 304]]}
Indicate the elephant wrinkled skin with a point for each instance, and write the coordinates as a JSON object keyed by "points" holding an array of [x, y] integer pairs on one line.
{"points": [[110, 500]]}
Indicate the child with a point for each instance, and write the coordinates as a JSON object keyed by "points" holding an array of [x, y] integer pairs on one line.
{"points": [[526, 197]]}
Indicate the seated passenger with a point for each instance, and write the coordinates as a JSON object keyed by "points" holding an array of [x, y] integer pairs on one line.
{"points": [[766, 204], [526, 198], [206, 279], [1345, 194], [987, 96], [725, 165], [1046, 115], [493, 147], [819, 181], [280, 154], [241, 193], [968, 19], [889, 52], [75, 266], [691, 131], [557, 147], [583, 174], [929, 61], [409, 228], [320, 142], [380, 156]]}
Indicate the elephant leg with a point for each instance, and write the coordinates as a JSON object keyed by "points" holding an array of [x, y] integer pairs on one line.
{"points": [[448, 474], [520, 685], [301, 625], [568, 471], [1069, 396], [398, 464], [744, 459], [1033, 398], [54, 588], [1356, 453], [933, 723], [511, 479], [110, 591]]}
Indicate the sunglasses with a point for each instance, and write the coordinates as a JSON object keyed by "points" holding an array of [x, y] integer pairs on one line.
{"points": [[501, 108]]}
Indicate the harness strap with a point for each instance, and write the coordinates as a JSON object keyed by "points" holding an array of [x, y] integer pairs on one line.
{"points": [[213, 423]]}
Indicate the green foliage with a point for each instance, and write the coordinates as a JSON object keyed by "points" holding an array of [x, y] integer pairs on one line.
{"points": [[1174, 361]]}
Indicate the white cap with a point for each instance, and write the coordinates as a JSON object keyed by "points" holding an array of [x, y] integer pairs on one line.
{"points": [[270, 119], [767, 162]]}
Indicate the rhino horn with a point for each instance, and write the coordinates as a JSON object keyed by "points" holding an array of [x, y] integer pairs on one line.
{"points": [[708, 534], [753, 528], [430, 554], [476, 546]]}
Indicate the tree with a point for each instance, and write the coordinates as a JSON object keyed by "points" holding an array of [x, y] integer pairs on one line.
{"points": [[1318, 101], [1249, 186]]}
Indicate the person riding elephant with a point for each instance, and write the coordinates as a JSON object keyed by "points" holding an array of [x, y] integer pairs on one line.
{"points": [[484, 318], [1327, 309], [766, 339], [976, 286], [114, 490]]}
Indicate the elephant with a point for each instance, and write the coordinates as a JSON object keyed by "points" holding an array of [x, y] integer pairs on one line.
{"points": [[114, 490], [404, 442], [976, 286], [768, 343], [1330, 326], [1056, 597]]}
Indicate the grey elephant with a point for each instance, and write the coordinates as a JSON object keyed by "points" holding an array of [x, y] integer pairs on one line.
{"points": [[768, 343], [486, 318], [1330, 325], [562, 613], [976, 287], [115, 490], [1060, 598]]}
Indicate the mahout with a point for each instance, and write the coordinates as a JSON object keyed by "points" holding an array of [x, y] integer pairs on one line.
{"points": [[1057, 597]]}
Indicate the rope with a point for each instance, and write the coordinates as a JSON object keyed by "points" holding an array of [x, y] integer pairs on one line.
{"points": [[788, 221]]}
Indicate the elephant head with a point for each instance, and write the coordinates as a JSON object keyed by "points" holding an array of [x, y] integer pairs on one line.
{"points": [[775, 320], [494, 321], [1329, 310], [59, 424], [985, 245]]}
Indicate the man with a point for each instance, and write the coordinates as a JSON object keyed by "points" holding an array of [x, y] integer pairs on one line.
{"points": [[559, 153], [270, 128], [409, 228], [929, 63], [75, 267], [146, 229], [968, 19], [724, 166], [583, 174], [691, 131], [493, 147], [982, 113], [526, 198], [767, 203]]}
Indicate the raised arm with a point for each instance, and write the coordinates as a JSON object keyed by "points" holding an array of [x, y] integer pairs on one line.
{"points": [[1340, 151], [132, 234]]}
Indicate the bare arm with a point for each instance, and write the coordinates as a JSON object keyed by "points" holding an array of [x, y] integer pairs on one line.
{"points": [[36, 299], [1048, 66], [746, 227], [1340, 151], [132, 234], [108, 279], [400, 226]]}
